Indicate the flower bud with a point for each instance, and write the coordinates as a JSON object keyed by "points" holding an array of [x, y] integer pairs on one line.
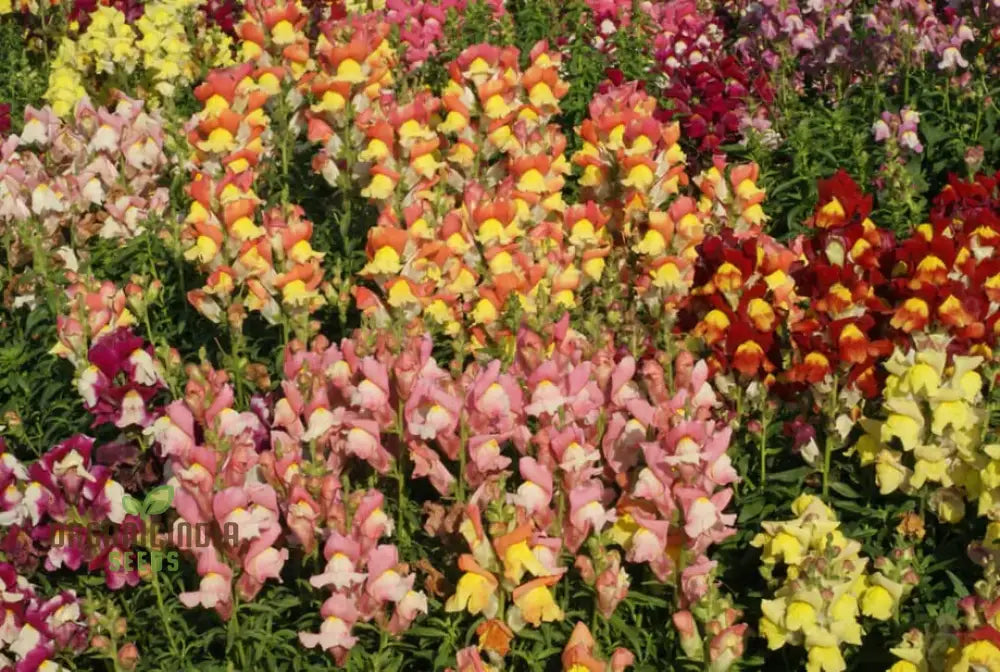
{"points": [[128, 656]]}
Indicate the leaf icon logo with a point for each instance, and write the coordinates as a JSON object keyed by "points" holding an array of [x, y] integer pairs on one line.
{"points": [[157, 501], [132, 505]]}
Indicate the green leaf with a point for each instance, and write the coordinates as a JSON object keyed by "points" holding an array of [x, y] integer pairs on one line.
{"points": [[159, 500], [957, 584], [845, 490], [132, 505], [791, 476]]}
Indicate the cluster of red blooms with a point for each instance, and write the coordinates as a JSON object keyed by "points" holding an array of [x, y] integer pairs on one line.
{"points": [[62, 487], [35, 629], [830, 286]]}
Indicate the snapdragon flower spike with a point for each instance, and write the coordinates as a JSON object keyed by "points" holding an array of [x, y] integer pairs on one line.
{"points": [[121, 380], [827, 588], [95, 174], [622, 136], [421, 25], [711, 631], [435, 269], [938, 37], [948, 439], [42, 501], [902, 126], [95, 309], [579, 654], [949, 277], [37, 629], [367, 580], [745, 291], [269, 268], [355, 65], [342, 409], [213, 452]]}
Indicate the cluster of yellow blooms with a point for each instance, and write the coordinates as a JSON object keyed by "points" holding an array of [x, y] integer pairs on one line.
{"points": [[106, 46], [158, 41], [826, 587], [935, 413]]}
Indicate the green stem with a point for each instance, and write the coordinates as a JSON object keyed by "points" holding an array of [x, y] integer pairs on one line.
{"points": [[831, 429], [763, 446], [235, 338], [460, 487], [234, 633], [163, 616], [827, 456], [400, 475]]}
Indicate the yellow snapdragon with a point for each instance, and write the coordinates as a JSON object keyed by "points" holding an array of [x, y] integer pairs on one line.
{"points": [[109, 42], [166, 52], [157, 45], [65, 83], [825, 590], [911, 653], [935, 414]]}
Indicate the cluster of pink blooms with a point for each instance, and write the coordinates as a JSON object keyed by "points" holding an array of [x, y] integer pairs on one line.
{"points": [[364, 578], [211, 453], [822, 36], [64, 487], [253, 470], [682, 34], [421, 24], [587, 471], [902, 126], [35, 629], [912, 30], [599, 460], [64, 182], [814, 34]]}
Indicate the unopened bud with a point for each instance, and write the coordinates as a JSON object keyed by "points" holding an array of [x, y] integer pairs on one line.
{"points": [[120, 627], [12, 419], [128, 656], [136, 298]]}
